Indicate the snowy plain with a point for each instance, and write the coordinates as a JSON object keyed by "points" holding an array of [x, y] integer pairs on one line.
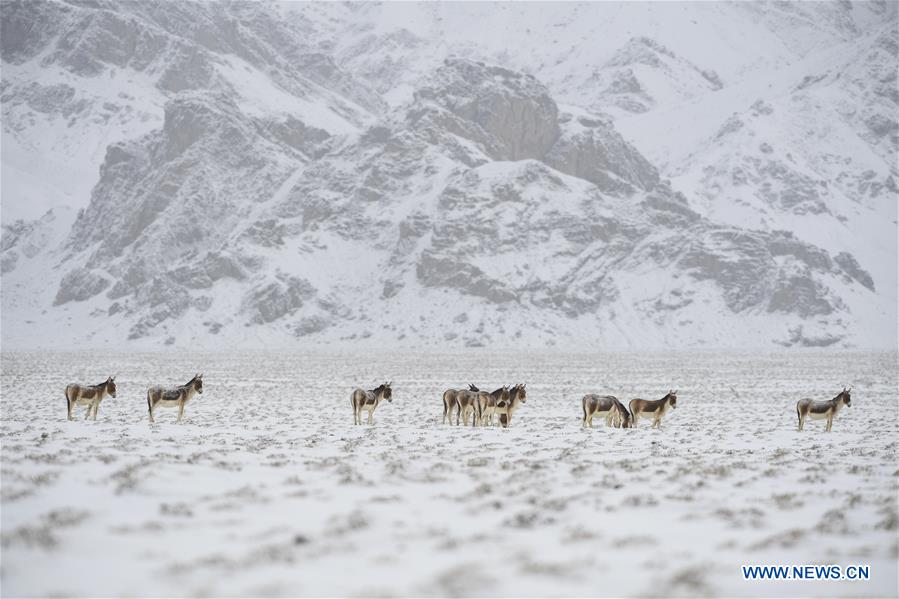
{"points": [[268, 489]]}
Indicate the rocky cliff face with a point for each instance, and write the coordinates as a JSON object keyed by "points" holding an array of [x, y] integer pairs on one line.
{"points": [[275, 199]]}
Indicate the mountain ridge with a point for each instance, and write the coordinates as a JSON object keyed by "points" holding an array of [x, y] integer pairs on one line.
{"points": [[289, 205]]}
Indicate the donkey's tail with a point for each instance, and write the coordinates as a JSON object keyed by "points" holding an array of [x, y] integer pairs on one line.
{"points": [[584, 408], [149, 402], [798, 415]]}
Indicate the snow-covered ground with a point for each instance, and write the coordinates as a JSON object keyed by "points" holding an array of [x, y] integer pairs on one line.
{"points": [[268, 488]]}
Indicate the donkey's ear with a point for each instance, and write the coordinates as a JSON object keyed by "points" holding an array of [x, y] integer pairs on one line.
{"points": [[675, 392]]}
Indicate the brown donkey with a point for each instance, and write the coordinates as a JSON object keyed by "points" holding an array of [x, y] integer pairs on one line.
{"points": [[488, 403], [173, 398], [90, 395], [451, 404], [369, 400], [505, 408], [653, 408], [605, 406], [469, 404], [819, 410]]}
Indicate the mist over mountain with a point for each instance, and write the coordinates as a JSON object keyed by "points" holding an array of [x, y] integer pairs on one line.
{"points": [[582, 176]]}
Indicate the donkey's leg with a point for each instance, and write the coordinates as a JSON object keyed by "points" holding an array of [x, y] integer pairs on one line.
{"points": [[96, 408], [150, 409], [180, 412], [829, 422], [371, 419], [69, 405]]}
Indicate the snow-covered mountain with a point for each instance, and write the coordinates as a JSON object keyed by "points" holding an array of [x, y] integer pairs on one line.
{"points": [[586, 176]]}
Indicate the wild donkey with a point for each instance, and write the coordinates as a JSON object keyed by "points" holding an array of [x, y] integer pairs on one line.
{"points": [[487, 403], [505, 408], [77, 395], [653, 408], [819, 410], [468, 403], [450, 403], [177, 397], [605, 406], [369, 400], [625, 419]]}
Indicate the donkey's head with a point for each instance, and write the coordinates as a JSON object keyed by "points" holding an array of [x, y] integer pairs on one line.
{"points": [[501, 394], [386, 392], [625, 419], [196, 383], [844, 396], [520, 392], [672, 398], [110, 386]]}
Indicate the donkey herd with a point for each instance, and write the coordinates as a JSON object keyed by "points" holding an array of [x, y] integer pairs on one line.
{"points": [[470, 405]]}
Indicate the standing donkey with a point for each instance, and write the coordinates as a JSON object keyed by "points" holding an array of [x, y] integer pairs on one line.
{"points": [[92, 395], [468, 403], [604, 406], [450, 403], [819, 410], [369, 400], [171, 398], [506, 407], [653, 408], [487, 403]]}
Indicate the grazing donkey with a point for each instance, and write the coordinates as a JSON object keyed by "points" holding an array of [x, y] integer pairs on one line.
{"points": [[506, 407], [487, 403], [78, 395], [819, 410], [170, 398], [624, 418], [653, 408], [604, 406], [369, 400], [450, 403]]}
